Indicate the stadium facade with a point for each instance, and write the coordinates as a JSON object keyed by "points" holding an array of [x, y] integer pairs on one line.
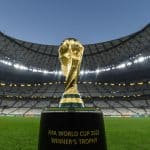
{"points": [[115, 76]]}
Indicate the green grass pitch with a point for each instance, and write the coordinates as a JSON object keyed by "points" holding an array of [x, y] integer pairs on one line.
{"points": [[21, 133]]}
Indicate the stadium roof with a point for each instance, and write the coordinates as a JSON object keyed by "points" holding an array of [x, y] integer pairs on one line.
{"points": [[98, 58], [96, 55]]}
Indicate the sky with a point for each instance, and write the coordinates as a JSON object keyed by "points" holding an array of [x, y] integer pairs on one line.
{"points": [[90, 21]]}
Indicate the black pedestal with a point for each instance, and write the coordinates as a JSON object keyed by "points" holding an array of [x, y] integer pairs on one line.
{"points": [[72, 131]]}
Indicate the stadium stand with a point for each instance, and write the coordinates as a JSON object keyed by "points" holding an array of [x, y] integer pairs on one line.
{"points": [[109, 107]]}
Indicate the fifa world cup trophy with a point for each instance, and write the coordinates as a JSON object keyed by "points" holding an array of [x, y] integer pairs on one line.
{"points": [[70, 56], [71, 126]]}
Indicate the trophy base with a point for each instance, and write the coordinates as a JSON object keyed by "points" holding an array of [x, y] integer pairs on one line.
{"points": [[71, 101], [71, 105], [76, 130]]}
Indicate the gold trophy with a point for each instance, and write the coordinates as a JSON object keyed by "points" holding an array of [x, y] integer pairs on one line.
{"points": [[70, 56], [71, 126]]}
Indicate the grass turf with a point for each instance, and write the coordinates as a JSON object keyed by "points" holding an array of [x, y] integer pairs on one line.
{"points": [[21, 133]]}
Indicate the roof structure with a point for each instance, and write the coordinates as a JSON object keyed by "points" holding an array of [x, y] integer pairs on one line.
{"points": [[95, 55]]}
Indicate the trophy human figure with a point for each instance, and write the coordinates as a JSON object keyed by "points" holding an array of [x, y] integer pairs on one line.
{"points": [[70, 56]]}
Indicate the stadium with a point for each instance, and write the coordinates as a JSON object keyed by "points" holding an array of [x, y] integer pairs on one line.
{"points": [[114, 78]]}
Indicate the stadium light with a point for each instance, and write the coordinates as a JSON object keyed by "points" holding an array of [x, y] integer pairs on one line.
{"points": [[107, 69], [81, 72], [28, 84], [97, 71], [45, 72], [21, 67], [6, 62], [60, 73], [140, 83], [134, 60], [131, 84], [121, 66], [86, 72], [129, 63], [10, 85], [112, 84], [35, 70], [141, 59], [2, 84]]}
